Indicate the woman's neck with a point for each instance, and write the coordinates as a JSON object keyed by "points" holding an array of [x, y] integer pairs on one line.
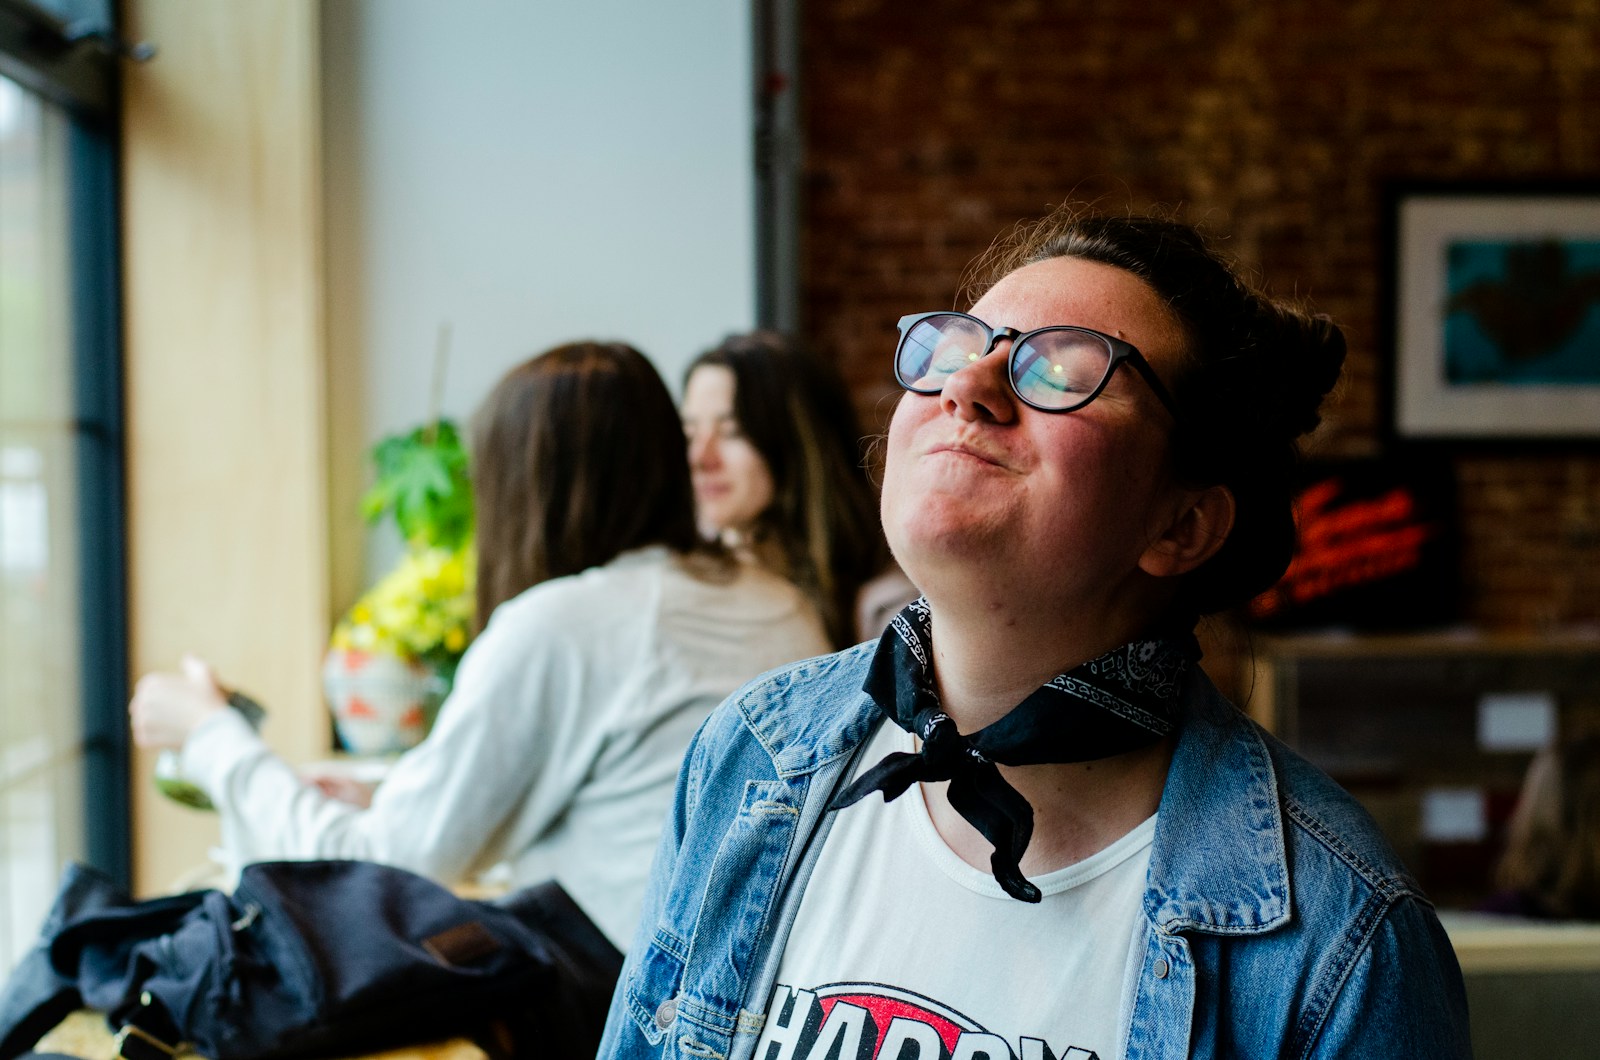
{"points": [[1079, 808], [986, 664], [753, 545]]}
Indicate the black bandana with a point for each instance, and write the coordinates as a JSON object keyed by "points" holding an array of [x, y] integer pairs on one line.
{"points": [[1121, 701]]}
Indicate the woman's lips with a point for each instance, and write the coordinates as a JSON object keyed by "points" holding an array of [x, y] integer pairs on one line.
{"points": [[976, 451]]}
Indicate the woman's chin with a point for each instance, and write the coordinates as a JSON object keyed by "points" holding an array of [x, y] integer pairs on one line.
{"points": [[935, 537]]}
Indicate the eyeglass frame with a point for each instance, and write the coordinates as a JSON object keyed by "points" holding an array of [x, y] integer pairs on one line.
{"points": [[1121, 351]]}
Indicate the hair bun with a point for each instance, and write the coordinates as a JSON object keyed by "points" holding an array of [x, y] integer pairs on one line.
{"points": [[1302, 354]]}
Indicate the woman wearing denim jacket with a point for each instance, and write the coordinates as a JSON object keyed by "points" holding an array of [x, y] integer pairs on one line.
{"points": [[1080, 849]]}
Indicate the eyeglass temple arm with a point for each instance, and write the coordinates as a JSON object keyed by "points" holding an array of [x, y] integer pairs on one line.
{"points": [[1163, 395]]}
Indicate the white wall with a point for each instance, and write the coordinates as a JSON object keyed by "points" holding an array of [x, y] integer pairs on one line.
{"points": [[528, 172]]}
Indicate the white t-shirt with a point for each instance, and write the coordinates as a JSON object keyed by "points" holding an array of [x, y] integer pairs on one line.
{"points": [[901, 950], [555, 753]]}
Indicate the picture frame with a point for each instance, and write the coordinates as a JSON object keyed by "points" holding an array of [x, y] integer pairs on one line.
{"points": [[1494, 313]]}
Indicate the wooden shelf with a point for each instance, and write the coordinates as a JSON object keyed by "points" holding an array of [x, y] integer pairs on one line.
{"points": [[1456, 641], [1398, 720], [1274, 653]]}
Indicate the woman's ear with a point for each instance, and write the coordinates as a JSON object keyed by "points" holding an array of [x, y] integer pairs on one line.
{"points": [[1197, 530]]}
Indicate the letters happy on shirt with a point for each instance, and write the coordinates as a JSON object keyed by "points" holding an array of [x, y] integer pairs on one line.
{"points": [[872, 1021]]}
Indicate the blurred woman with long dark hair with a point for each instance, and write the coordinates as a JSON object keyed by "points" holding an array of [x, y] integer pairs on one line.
{"points": [[609, 633], [775, 449]]}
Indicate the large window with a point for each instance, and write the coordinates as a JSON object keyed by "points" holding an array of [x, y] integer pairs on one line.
{"points": [[63, 753]]}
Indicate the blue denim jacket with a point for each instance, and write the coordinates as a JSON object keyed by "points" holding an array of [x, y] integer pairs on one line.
{"points": [[1279, 922]]}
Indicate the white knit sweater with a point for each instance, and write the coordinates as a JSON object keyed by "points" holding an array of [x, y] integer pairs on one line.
{"points": [[557, 749]]}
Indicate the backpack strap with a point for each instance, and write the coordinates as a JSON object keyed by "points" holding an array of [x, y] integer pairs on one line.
{"points": [[134, 1043], [33, 1001], [148, 1033], [35, 996]]}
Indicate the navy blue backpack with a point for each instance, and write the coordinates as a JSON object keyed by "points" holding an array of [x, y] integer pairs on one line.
{"points": [[315, 958]]}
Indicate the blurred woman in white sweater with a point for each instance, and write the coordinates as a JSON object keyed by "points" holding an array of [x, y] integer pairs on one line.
{"points": [[610, 632]]}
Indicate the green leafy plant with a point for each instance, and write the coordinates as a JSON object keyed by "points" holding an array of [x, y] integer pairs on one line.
{"points": [[422, 481], [422, 609]]}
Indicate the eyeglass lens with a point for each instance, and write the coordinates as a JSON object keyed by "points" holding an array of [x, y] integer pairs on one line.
{"points": [[1056, 369]]}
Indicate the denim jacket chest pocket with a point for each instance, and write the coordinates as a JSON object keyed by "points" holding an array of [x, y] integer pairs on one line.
{"points": [[701, 1015]]}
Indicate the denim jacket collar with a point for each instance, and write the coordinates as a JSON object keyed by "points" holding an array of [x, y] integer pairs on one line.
{"points": [[801, 742], [1218, 862]]}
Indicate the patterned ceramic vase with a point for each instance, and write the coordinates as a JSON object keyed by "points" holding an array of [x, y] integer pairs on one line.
{"points": [[382, 703]]}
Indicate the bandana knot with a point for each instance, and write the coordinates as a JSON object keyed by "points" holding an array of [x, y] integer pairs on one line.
{"points": [[1118, 702], [944, 749]]}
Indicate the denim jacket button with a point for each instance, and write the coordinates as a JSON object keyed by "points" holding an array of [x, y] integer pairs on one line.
{"points": [[666, 1012], [1160, 968]]}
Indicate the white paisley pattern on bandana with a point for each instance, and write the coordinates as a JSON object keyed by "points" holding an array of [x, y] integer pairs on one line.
{"points": [[913, 626], [1143, 668]]}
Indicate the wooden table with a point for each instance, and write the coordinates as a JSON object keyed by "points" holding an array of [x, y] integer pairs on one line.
{"points": [[1487, 944]]}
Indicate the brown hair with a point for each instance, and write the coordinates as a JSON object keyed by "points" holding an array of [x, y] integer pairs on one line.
{"points": [[577, 457], [1252, 382], [1552, 857], [795, 410]]}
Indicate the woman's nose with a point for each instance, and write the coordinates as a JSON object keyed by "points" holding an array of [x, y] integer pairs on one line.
{"points": [[982, 390], [703, 451]]}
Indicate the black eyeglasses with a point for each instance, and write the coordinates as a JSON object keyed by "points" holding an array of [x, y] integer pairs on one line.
{"points": [[1054, 369]]}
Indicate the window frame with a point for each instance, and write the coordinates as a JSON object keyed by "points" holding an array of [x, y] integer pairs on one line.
{"points": [[73, 64]]}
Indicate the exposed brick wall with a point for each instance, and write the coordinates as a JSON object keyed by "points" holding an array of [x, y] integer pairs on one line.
{"points": [[929, 127]]}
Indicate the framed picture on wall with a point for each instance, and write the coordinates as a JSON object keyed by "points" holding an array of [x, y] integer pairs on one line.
{"points": [[1496, 313]]}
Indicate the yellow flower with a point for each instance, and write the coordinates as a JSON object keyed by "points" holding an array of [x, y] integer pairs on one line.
{"points": [[423, 607]]}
